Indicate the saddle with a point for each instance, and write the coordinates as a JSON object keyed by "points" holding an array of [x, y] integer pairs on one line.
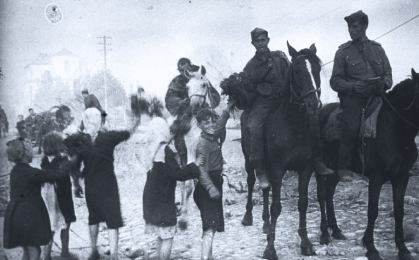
{"points": [[334, 126]]}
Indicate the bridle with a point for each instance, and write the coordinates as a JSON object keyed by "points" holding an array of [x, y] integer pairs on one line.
{"points": [[382, 94], [298, 99], [204, 95]]}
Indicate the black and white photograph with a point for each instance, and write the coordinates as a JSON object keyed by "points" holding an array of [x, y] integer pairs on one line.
{"points": [[209, 130]]}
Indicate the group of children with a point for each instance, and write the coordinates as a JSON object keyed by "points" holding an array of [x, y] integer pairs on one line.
{"points": [[28, 224]]}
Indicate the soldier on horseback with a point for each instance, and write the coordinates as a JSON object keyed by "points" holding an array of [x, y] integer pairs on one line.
{"points": [[360, 66], [177, 98], [269, 72], [90, 101]]}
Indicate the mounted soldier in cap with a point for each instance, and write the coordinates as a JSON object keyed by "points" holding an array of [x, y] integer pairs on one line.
{"points": [[269, 72], [90, 101], [177, 98], [360, 66]]}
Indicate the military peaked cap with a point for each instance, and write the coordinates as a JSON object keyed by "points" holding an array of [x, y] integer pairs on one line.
{"points": [[258, 32], [355, 17]]}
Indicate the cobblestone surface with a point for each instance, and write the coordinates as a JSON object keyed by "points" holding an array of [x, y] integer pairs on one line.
{"points": [[238, 242]]}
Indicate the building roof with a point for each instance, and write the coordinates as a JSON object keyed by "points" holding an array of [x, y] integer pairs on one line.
{"points": [[65, 52], [45, 58]]}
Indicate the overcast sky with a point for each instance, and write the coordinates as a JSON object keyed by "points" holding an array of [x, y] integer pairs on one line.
{"points": [[149, 36]]}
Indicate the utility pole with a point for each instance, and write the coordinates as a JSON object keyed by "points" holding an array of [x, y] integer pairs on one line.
{"points": [[104, 67]]}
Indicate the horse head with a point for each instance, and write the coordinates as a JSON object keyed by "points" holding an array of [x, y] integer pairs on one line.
{"points": [[305, 78], [238, 88], [198, 87]]}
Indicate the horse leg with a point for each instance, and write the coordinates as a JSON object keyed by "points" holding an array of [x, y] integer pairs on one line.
{"points": [[374, 189], [265, 215], [399, 190], [186, 188], [251, 179], [303, 181], [330, 188], [276, 207], [325, 238]]}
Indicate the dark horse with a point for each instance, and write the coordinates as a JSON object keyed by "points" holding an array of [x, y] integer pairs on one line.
{"points": [[388, 157], [288, 138]]}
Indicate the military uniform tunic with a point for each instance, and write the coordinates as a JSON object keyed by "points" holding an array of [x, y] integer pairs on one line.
{"points": [[276, 78], [357, 61]]}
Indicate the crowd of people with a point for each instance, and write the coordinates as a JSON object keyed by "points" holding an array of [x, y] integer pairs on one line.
{"points": [[27, 223]]}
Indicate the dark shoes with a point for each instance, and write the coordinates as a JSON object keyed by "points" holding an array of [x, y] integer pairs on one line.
{"points": [[345, 175]]}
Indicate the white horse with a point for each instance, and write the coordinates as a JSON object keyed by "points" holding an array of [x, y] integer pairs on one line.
{"points": [[199, 95]]}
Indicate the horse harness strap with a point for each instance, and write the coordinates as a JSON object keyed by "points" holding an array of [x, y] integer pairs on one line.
{"points": [[395, 111]]}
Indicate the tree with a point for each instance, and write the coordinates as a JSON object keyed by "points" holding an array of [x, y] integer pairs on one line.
{"points": [[96, 85], [52, 92]]}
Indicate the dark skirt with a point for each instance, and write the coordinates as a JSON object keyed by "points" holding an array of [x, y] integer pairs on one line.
{"points": [[26, 223], [102, 199], [211, 209]]}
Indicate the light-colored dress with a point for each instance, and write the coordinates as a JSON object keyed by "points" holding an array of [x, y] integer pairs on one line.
{"points": [[49, 195]]}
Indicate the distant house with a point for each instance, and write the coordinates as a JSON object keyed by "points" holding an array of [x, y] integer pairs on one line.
{"points": [[63, 64]]}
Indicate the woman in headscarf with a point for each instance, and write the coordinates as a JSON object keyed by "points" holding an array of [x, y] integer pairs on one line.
{"points": [[159, 191], [95, 149]]}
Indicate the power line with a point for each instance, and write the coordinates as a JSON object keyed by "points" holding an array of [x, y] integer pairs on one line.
{"points": [[385, 33], [105, 70]]}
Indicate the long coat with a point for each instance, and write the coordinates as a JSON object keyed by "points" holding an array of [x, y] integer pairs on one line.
{"points": [[101, 187], [159, 191], [26, 221]]}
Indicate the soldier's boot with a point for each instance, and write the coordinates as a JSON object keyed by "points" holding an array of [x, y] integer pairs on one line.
{"points": [[345, 160], [261, 174], [319, 166]]}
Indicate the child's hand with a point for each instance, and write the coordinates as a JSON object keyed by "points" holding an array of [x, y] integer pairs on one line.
{"points": [[214, 193], [199, 161]]}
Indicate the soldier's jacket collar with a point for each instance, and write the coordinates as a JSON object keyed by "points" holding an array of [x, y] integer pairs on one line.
{"points": [[208, 136], [261, 57], [349, 43]]}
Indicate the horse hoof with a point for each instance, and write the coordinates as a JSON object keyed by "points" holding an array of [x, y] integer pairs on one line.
{"points": [[325, 240], [266, 228], [308, 250], [405, 256], [270, 254], [182, 225], [338, 235], [247, 220], [373, 256]]}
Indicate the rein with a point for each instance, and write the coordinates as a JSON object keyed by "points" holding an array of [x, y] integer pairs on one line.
{"points": [[298, 99], [394, 109]]}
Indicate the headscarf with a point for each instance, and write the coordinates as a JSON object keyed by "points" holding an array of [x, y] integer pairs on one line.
{"points": [[157, 137]]}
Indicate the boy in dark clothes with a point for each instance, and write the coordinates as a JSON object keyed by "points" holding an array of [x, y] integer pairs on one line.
{"points": [[208, 191], [159, 191], [20, 125]]}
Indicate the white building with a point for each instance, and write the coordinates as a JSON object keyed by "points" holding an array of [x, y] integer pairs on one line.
{"points": [[63, 64]]}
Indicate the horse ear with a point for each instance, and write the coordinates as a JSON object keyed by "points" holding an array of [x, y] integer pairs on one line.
{"points": [[291, 50], [415, 76], [313, 48], [203, 70]]}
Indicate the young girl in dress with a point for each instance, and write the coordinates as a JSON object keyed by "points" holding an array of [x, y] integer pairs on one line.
{"points": [[159, 191], [57, 195], [26, 221]]}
